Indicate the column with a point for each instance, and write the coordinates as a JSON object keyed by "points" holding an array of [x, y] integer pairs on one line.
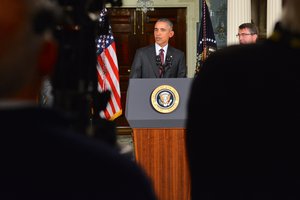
{"points": [[238, 12], [274, 9]]}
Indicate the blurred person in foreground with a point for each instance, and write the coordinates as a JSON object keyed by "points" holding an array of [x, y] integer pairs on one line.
{"points": [[40, 157], [247, 34], [243, 120]]}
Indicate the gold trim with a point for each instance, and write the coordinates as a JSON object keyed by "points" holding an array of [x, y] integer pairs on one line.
{"points": [[165, 89], [142, 23], [134, 23]]}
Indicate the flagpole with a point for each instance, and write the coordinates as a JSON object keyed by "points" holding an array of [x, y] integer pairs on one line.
{"points": [[206, 39], [204, 29]]}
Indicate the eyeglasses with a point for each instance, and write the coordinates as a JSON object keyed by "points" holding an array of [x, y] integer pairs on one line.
{"points": [[244, 34]]}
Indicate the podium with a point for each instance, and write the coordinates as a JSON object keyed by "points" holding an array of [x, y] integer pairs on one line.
{"points": [[159, 137]]}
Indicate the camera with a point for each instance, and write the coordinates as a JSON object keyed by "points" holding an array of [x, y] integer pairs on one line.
{"points": [[74, 81]]}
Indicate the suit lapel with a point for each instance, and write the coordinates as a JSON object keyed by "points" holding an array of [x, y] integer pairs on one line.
{"points": [[170, 55], [170, 52], [151, 54]]}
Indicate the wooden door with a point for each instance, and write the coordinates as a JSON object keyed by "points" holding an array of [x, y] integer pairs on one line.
{"points": [[133, 29]]}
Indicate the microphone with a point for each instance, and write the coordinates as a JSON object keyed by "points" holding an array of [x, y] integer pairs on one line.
{"points": [[157, 60], [161, 67], [168, 61]]}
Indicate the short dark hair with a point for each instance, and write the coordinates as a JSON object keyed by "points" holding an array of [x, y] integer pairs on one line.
{"points": [[251, 26], [167, 21]]}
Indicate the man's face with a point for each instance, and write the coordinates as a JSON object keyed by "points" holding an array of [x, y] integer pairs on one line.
{"points": [[245, 37], [162, 33]]}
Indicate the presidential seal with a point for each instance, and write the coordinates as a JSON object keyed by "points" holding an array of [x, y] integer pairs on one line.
{"points": [[165, 99]]}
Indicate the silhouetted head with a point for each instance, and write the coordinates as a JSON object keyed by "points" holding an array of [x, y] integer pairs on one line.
{"points": [[291, 16], [28, 51]]}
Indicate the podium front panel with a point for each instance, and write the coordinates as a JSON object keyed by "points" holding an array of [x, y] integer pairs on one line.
{"points": [[140, 112]]}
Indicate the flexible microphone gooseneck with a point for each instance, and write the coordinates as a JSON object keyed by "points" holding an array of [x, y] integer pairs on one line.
{"points": [[163, 67]]}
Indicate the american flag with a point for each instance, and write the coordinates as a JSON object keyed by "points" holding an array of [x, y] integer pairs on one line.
{"points": [[108, 70], [206, 40]]}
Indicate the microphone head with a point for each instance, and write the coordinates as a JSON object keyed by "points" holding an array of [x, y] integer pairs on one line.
{"points": [[169, 60], [157, 60]]}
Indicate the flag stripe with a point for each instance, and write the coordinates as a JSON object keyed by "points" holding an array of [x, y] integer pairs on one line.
{"points": [[108, 83], [108, 72], [113, 74], [113, 55], [110, 65]]}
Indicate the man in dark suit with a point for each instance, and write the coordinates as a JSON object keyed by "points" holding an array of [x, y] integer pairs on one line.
{"points": [[159, 60], [243, 119], [41, 157]]}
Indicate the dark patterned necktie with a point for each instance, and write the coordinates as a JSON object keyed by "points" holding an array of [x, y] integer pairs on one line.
{"points": [[162, 56]]}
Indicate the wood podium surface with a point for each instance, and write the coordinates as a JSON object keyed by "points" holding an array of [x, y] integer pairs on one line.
{"points": [[161, 152]]}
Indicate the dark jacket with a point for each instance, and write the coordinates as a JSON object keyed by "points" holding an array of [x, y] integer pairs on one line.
{"points": [[41, 158], [243, 121], [145, 65]]}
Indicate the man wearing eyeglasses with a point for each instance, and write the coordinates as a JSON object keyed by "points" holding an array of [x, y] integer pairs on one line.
{"points": [[247, 34]]}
